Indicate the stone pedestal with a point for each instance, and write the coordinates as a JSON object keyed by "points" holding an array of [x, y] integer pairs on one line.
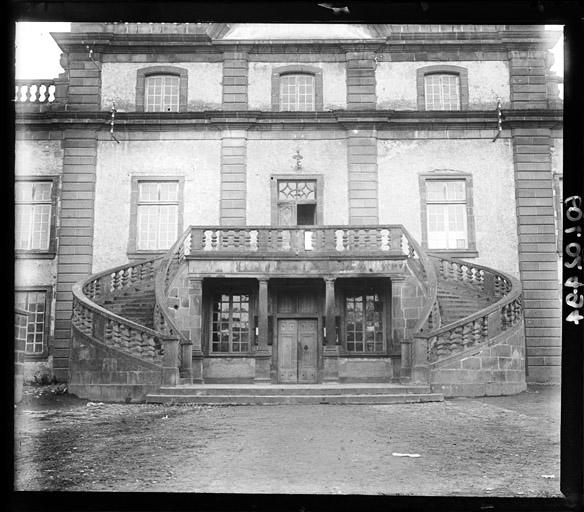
{"points": [[331, 364]]}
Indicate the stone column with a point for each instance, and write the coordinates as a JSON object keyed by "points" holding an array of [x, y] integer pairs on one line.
{"points": [[331, 349], [420, 368], [263, 355], [194, 354]]}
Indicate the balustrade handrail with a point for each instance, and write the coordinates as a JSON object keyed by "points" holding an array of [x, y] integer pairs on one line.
{"points": [[507, 298], [162, 278], [430, 284]]}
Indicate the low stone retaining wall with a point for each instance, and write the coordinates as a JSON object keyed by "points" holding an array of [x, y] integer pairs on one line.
{"points": [[98, 372], [494, 368]]}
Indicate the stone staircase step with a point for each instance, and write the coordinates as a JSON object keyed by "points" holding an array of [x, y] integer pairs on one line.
{"points": [[297, 389], [290, 394], [294, 399]]}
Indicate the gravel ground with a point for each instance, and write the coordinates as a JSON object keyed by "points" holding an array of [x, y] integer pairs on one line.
{"points": [[496, 446]]}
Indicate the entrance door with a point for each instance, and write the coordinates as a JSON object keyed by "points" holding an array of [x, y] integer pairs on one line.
{"points": [[297, 345]]}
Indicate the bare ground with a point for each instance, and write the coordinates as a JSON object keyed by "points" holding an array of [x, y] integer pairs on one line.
{"points": [[497, 446]]}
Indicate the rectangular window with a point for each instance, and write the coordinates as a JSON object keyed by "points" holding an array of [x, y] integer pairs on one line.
{"points": [[33, 215], [296, 202], [230, 323], [157, 215], [364, 323], [446, 206], [442, 92], [35, 302], [162, 93], [296, 92]]}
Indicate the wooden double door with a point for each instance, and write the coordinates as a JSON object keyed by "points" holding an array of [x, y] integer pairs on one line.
{"points": [[297, 350]]}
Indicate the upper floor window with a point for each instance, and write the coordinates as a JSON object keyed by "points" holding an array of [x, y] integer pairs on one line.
{"points": [[161, 89], [162, 93], [296, 92], [156, 216], [296, 202], [447, 212], [442, 92], [442, 87], [35, 204], [297, 88]]}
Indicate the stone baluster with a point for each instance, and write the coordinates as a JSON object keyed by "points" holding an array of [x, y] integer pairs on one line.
{"points": [[124, 337], [108, 331], [116, 338], [135, 343], [148, 347], [467, 338]]}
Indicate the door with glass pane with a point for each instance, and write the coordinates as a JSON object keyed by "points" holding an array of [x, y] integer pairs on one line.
{"points": [[297, 202]]}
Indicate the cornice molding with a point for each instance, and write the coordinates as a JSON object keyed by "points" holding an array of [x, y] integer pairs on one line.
{"points": [[109, 42], [256, 120]]}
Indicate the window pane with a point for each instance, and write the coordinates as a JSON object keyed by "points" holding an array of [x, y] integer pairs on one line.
{"points": [[161, 93], [296, 92], [157, 221], [233, 330], [34, 303], [363, 323], [447, 226], [442, 92]]}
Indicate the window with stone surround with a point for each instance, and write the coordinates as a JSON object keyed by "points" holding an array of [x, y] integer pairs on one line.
{"points": [[442, 87], [297, 88], [447, 213], [230, 323], [36, 301], [35, 216], [363, 322], [297, 200], [156, 214], [161, 89]]}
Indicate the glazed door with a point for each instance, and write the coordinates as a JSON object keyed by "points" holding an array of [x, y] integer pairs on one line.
{"points": [[297, 346]]}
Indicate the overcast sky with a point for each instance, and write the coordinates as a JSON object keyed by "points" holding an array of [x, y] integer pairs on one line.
{"points": [[37, 54]]}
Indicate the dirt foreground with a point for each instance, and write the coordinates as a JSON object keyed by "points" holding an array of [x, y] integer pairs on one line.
{"points": [[497, 446]]}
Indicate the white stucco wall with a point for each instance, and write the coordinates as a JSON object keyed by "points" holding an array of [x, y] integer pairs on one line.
{"points": [[119, 84], [326, 157], [491, 166], [334, 84], [487, 80], [196, 160], [37, 158]]}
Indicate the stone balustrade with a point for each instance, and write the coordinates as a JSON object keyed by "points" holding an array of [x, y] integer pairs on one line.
{"points": [[115, 331], [35, 91], [485, 324], [120, 280], [331, 240], [93, 320]]}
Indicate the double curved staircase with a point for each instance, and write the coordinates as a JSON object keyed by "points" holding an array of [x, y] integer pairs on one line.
{"points": [[126, 343]]}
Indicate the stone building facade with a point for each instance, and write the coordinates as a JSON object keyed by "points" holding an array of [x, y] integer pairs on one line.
{"points": [[334, 181]]}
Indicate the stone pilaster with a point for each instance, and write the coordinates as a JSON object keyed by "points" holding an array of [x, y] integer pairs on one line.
{"points": [[527, 71], [195, 354], [75, 251], [235, 81], [263, 355], [331, 349], [361, 81], [233, 177], [363, 176], [537, 251]]}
